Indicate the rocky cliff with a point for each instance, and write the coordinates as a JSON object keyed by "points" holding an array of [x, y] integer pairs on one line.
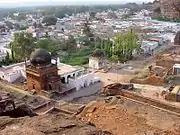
{"points": [[167, 8], [170, 8]]}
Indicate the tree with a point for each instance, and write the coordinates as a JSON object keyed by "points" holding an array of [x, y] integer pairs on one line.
{"points": [[48, 45], [87, 30], [9, 24], [71, 44], [7, 58], [49, 20], [12, 52], [92, 14], [22, 45], [60, 14], [123, 47], [125, 44]]}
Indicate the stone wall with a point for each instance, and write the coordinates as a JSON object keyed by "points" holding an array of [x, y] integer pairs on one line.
{"points": [[150, 101]]}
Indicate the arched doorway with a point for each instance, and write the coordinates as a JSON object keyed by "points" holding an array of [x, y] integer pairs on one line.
{"points": [[50, 87], [63, 80], [68, 78]]}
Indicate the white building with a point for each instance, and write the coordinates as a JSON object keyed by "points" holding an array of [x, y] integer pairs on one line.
{"points": [[84, 81], [75, 77], [176, 69], [13, 72]]}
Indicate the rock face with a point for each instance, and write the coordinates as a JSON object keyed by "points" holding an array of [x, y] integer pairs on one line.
{"points": [[177, 38], [47, 125], [170, 8]]}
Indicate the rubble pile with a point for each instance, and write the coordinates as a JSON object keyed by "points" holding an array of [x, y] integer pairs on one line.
{"points": [[156, 75], [117, 120], [9, 108], [114, 89]]}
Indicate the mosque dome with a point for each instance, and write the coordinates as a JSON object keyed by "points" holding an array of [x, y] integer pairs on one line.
{"points": [[40, 57]]}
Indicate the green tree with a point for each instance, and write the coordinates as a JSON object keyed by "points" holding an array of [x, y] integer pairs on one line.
{"points": [[7, 58], [87, 30], [48, 45], [22, 45], [59, 14], [12, 52], [92, 14], [71, 44], [49, 20], [125, 44]]}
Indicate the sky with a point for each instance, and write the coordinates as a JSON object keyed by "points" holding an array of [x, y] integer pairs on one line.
{"points": [[65, 2]]}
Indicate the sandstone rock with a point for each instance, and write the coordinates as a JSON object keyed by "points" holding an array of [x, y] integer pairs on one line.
{"points": [[177, 38]]}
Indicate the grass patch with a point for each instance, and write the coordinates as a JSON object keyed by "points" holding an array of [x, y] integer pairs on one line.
{"points": [[79, 58]]}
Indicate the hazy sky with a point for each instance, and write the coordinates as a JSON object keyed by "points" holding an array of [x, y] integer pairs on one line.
{"points": [[68, 1]]}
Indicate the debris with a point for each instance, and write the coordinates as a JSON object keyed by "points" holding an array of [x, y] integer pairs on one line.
{"points": [[114, 89]]}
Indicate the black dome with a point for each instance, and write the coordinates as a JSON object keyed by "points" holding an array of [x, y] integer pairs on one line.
{"points": [[40, 57]]}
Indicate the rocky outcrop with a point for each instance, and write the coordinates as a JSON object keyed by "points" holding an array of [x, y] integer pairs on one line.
{"points": [[177, 38], [58, 124], [170, 8]]}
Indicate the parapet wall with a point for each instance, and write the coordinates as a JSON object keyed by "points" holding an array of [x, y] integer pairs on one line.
{"points": [[149, 101]]}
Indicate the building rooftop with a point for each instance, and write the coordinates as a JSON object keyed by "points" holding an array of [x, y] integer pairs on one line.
{"points": [[64, 69]]}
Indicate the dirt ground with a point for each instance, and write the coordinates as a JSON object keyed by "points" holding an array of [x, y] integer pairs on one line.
{"points": [[123, 117], [110, 77]]}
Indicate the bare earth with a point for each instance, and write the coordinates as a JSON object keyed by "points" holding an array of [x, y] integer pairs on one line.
{"points": [[123, 117]]}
